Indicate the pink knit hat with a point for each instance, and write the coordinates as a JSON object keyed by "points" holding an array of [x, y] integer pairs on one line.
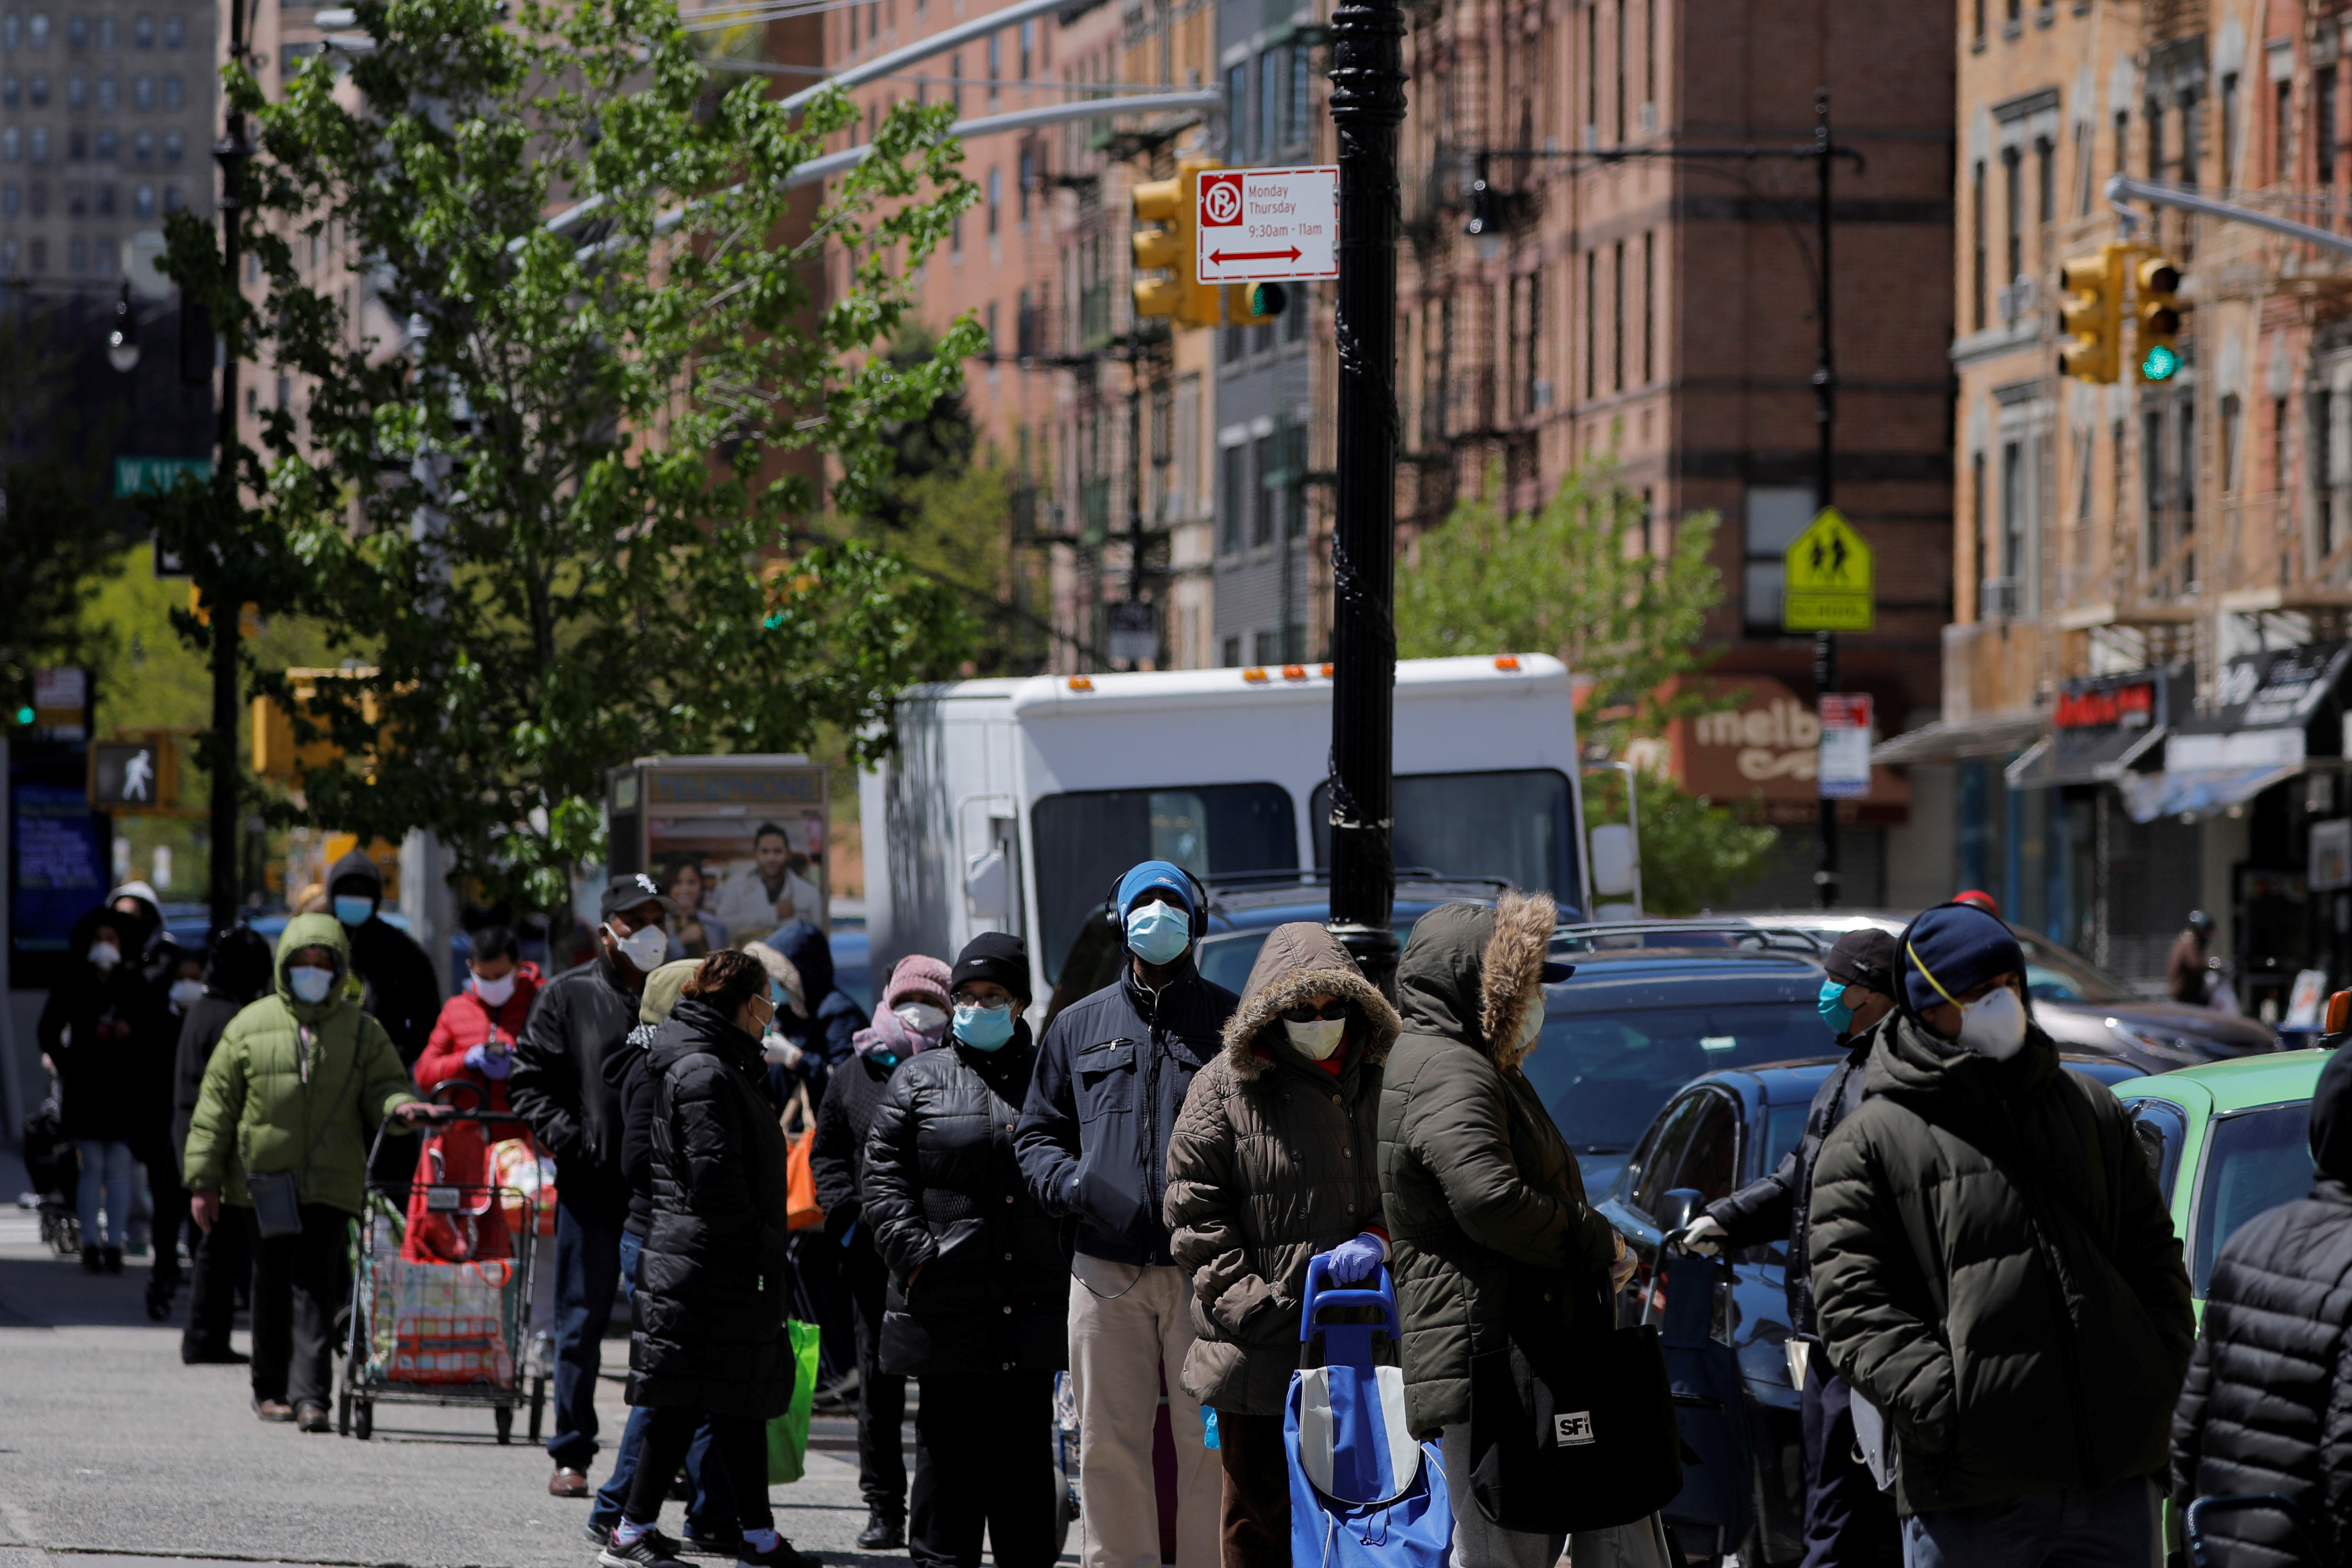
{"points": [[917, 979]]}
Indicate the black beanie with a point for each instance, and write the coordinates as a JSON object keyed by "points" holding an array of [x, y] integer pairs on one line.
{"points": [[997, 956]]}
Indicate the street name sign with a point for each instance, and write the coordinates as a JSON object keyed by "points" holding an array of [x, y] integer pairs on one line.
{"points": [[1256, 225], [1827, 578]]}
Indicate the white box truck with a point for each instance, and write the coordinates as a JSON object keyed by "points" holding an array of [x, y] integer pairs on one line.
{"points": [[1015, 804]]}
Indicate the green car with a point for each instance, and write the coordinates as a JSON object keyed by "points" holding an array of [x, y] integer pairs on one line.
{"points": [[2228, 1140]]}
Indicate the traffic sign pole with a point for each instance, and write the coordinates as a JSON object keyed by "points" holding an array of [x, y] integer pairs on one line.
{"points": [[1825, 648]]}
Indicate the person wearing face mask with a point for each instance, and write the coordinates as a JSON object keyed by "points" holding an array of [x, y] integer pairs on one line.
{"points": [[978, 1297], [1273, 1161], [296, 1088], [1112, 1073], [1995, 1271], [557, 1085], [824, 1026], [399, 987], [474, 1038], [1494, 1235], [237, 970], [105, 1033], [1848, 1521], [911, 1017]]}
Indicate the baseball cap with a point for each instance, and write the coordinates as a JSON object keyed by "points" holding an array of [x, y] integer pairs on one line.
{"points": [[626, 892]]}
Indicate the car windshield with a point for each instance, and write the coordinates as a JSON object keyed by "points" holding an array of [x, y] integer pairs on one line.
{"points": [[2054, 975], [2254, 1160], [1604, 1076]]}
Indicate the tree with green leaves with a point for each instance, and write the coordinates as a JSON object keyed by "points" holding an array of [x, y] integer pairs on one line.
{"points": [[561, 515], [1577, 577]]}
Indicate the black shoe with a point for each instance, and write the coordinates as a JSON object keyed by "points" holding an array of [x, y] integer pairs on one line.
{"points": [[602, 1534], [113, 1260], [311, 1416], [883, 1532], [651, 1550], [223, 1356], [784, 1554], [713, 1544], [91, 1261]]}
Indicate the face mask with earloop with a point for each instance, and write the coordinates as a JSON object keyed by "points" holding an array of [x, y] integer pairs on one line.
{"points": [[1529, 1028], [1992, 1026], [309, 984], [105, 955], [1159, 932], [644, 947], [1317, 1039], [494, 992]]}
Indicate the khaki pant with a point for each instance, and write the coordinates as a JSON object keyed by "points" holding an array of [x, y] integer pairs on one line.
{"points": [[1127, 1327]]}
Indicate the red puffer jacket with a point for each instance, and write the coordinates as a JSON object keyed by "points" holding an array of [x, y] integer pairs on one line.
{"points": [[466, 1022]]}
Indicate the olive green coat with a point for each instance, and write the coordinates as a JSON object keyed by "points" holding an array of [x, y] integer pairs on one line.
{"points": [[258, 1112], [1485, 1208]]}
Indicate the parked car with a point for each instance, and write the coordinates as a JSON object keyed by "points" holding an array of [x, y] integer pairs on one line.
{"points": [[1242, 911], [2082, 1006], [1720, 1131], [2228, 1141]]}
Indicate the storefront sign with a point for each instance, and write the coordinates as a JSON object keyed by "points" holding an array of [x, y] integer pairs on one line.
{"points": [[1845, 745], [2272, 710], [2128, 705], [1765, 757]]}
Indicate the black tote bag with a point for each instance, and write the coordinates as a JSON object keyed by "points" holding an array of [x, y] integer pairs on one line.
{"points": [[1573, 1431]]}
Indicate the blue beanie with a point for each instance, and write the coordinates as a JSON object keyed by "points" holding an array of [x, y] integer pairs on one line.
{"points": [[1156, 874], [1953, 949]]}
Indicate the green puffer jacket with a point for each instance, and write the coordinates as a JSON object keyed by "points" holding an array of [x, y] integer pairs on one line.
{"points": [[1271, 1162], [1485, 1208], [256, 1113], [1994, 1268]]}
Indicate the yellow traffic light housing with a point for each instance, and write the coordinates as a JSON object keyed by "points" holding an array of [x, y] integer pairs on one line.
{"points": [[1254, 304], [2093, 315], [2158, 313], [1163, 241]]}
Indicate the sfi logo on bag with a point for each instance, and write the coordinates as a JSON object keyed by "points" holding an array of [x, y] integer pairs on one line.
{"points": [[1572, 1431]]}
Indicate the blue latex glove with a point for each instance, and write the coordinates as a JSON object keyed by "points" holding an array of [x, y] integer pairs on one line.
{"points": [[1356, 1261], [490, 1064], [848, 1235]]}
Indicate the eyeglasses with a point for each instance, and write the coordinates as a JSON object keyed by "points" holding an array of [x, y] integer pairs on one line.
{"points": [[1330, 1012], [985, 1004]]}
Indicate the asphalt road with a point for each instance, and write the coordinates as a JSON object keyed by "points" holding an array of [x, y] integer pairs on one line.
{"points": [[111, 1450]]}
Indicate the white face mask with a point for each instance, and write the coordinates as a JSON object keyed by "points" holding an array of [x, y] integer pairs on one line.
{"points": [[309, 985], [105, 955], [1994, 1025], [185, 992], [645, 947], [495, 993], [1530, 1028], [921, 1017], [1317, 1039]]}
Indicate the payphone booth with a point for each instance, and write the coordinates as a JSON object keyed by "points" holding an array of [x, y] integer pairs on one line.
{"points": [[738, 842]]}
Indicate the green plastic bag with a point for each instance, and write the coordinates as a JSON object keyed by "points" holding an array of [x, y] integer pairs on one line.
{"points": [[788, 1433]]}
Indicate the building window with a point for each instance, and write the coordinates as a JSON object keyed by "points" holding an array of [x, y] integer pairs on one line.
{"points": [[2000, 594], [1028, 43], [2228, 174], [990, 328], [1301, 119], [2230, 413], [39, 142], [76, 92], [1617, 319], [995, 63], [106, 146], [103, 196], [143, 201], [2152, 482], [1775, 516], [175, 91], [1977, 245], [106, 98], [2045, 175], [995, 198], [37, 90], [1976, 541], [1273, 97], [77, 257], [2153, 112], [142, 92], [11, 91], [955, 81], [1649, 306], [1263, 494], [2323, 469], [143, 145], [36, 32], [1622, 5], [11, 31], [171, 146], [1592, 322], [78, 32], [10, 146], [143, 33], [1237, 96], [2278, 446], [175, 32], [1233, 482], [37, 199], [2013, 209], [1230, 656], [2282, 133], [12, 200], [106, 35]]}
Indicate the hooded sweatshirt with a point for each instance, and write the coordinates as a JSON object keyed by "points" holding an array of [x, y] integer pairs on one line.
{"points": [[297, 1086], [1493, 1235], [2268, 1406], [401, 991], [830, 1028]]}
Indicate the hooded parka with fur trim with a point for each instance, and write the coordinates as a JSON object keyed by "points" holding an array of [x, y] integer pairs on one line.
{"points": [[1271, 1163], [1482, 1194]]}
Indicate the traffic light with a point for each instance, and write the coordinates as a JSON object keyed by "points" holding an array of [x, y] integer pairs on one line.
{"points": [[2159, 319], [1164, 241], [1254, 304], [2093, 315]]}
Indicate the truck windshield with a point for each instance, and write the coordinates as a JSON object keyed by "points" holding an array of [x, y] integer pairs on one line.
{"points": [[1085, 839], [1514, 826]]}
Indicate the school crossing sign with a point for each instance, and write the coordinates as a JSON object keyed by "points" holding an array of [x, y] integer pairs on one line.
{"points": [[1827, 578]]}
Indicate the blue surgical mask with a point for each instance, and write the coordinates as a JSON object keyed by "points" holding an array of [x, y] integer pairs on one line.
{"points": [[983, 1028], [1159, 933], [1831, 1006], [310, 985], [354, 912]]}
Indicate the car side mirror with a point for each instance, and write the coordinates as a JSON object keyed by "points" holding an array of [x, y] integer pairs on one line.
{"points": [[1677, 1207]]}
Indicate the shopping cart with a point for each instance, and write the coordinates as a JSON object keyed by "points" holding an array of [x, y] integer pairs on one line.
{"points": [[441, 1312], [2296, 1533]]}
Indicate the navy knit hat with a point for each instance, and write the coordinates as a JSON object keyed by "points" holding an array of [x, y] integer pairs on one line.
{"points": [[1953, 949]]}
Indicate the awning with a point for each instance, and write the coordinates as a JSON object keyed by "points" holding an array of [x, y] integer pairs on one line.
{"points": [[1948, 740], [2104, 727], [2198, 791], [2275, 709], [2098, 757]]}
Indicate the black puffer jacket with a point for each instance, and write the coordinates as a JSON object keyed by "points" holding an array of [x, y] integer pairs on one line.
{"points": [[113, 1039], [1111, 1077], [1780, 1205], [2268, 1407], [1274, 1161], [837, 1154], [944, 1195], [706, 1322], [558, 1084], [1995, 1269], [1485, 1207]]}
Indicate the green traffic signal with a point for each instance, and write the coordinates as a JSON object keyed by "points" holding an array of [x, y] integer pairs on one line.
{"points": [[24, 716], [2161, 362]]}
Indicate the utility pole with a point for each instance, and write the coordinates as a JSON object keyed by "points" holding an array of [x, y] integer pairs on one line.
{"points": [[1825, 648], [221, 594], [1367, 106]]}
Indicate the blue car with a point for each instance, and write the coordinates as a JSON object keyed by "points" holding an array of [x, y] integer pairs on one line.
{"points": [[1723, 1129]]}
